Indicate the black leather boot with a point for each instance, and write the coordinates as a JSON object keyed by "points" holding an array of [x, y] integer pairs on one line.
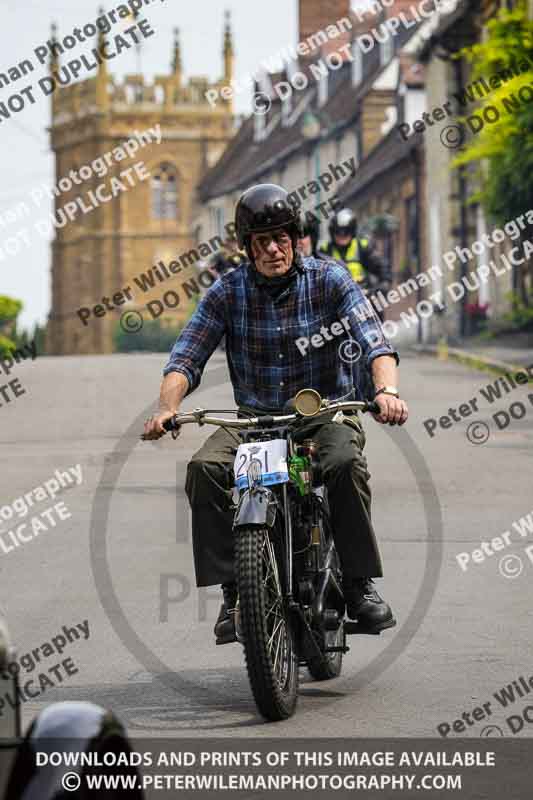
{"points": [[364, 604], [225, 624]]}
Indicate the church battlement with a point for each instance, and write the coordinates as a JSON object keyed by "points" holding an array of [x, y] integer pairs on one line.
{"points": [[77, 100], [82, 99], [166, 93], [163, 91]]}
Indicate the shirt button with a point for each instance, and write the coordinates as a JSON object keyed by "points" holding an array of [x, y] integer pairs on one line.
{"points": [[280, 355]]}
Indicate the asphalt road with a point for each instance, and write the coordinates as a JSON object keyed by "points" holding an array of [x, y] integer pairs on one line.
{"points": [[461, 636]]}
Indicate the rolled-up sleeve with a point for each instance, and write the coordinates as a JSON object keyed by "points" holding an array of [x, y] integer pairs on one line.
{"points": [[349, 301], [199, 337]]}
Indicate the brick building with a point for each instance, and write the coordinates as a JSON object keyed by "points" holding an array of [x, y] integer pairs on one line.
{"points": [[354, 110], [97, 254]]}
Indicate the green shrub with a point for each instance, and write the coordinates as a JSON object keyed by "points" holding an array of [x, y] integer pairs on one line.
{"points": [[153, 338], [521, 316], [6, 345], [9, 309]]}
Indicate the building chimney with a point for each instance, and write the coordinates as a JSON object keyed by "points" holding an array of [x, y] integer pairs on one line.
{"points": [[371, 12], [316, 15]]}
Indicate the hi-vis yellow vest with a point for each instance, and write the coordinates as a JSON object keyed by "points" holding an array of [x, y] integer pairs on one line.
{"points": [[351, 259]]}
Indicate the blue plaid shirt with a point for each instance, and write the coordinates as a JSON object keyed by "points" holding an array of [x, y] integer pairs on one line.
{"points": [[266, 365]]}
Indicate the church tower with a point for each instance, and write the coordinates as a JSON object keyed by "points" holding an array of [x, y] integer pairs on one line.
{"points": [[114, 236]]}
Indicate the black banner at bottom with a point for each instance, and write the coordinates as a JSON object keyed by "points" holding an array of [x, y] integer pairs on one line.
{"points": [[47, 768]]}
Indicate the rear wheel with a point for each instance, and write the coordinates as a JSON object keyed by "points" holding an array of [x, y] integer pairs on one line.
{"points": [[271, 659], [330, 664]]}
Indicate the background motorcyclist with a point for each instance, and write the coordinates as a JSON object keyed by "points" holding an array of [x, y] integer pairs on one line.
{"points": [[364, 265], [228, 258]]}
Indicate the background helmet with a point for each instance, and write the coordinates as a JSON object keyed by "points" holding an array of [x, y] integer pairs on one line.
{"points": [[263, 208], [311, 227], [344, 223]]}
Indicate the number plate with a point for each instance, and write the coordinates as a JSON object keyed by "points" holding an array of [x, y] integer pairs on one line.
{"points": [[273, 458]]}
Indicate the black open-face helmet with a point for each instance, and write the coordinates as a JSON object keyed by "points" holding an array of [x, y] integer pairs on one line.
{"points": [[264, 208], [343, 223]]}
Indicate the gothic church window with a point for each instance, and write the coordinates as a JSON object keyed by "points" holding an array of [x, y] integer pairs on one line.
{"points": [[165, 192]]}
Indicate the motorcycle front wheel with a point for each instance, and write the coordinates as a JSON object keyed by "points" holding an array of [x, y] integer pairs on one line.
{"points": [[271, 658]]}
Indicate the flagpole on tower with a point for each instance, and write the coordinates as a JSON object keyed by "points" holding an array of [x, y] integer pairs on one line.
{"points": [[134, 15], [138, 46], [138, 53]]}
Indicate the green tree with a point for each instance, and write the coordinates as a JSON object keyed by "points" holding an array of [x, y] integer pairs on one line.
{"points": [[38, 336], [153, 338], [501, 154], [9, 311]]}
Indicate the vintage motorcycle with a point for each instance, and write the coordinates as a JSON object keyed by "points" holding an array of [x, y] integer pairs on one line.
{"points": [[290, 608]]}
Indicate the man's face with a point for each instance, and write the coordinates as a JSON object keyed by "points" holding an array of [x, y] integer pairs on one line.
{"points": [[342, 240], [272, 252], [305, 246]]}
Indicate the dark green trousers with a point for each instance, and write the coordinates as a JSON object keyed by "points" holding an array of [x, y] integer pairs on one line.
{"points": [[340, 449]]}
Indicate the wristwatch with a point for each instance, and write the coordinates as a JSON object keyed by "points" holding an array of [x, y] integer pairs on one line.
{"points": [[388, 390]]}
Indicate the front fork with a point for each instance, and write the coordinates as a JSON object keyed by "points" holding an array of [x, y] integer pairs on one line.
{"points": [[256, 508]]}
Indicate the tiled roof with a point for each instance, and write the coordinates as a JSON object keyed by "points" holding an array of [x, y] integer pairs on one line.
{"points": [[245, 161], [388, 153]]}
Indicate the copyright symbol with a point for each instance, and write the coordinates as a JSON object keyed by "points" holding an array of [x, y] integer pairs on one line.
{"points": [[261, 103], [510, 566], [71, 781], [452, 136], [131, 321], [478, 432], [491, 730], [350, 351]]}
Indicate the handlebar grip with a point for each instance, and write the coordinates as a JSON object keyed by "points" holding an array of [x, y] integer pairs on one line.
{"points": [[170, 425], [373, 407]]}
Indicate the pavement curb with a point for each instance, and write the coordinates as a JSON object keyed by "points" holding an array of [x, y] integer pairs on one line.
{"points": [[474, 360]]}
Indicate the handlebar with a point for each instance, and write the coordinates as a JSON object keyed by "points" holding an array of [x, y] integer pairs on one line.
{"points": [[201, 416]]}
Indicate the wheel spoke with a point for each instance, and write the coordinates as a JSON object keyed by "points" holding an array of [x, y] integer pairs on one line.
{"points": [[274, 617], [276, 659], [272, 611], [269, 643]]}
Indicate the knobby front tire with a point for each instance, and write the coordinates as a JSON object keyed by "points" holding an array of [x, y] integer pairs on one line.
{"points": [[271, 659]]}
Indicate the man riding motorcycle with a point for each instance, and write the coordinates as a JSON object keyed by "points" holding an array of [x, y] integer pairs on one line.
{"points": [[263, 309], [365, 266]]}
